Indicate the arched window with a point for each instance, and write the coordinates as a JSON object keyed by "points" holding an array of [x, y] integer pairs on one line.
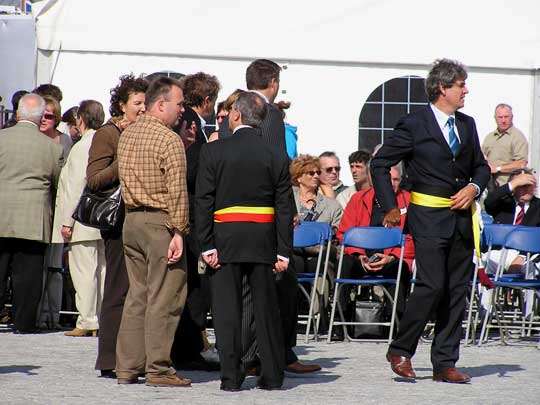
{"points": [[386, 105]]}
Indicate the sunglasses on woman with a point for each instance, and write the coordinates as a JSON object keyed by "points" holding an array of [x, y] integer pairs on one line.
{"points": [[313, 173]]}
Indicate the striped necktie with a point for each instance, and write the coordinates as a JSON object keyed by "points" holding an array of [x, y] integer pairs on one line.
{"points": [[520, 214], [453, 140]]}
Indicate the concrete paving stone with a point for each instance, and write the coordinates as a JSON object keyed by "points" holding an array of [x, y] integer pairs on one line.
{"points": [[51, 368]]}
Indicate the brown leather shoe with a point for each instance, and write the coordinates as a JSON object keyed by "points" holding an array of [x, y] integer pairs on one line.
{"points": [[76, 332], [401, 365], [451, 375], [299, 368], [172, 380]]}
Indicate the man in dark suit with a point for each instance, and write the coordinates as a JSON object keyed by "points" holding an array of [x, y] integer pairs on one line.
{"points": [[244, 225], [447, 169], [513, 203], [201, 91], [262, 77]]}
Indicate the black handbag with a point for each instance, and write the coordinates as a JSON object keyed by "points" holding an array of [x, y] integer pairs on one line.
{"points": [[100, 209]]}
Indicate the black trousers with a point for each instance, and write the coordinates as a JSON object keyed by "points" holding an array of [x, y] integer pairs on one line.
{"points": [[226, 287], [23, 259], [443, 271], [114, 295], [188, 342], [287, 293]]}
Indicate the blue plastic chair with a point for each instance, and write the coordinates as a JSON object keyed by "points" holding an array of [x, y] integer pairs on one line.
{"points": [[372, 238], [493, 235], [308, 234], [486, 218], [525, 239]]}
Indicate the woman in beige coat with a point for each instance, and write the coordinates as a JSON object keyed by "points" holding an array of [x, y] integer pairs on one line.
{"points": [[86, 249]]}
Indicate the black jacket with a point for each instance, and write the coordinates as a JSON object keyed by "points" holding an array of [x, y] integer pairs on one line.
{"points": [[432, 169], [244, 170], [501, 205]]}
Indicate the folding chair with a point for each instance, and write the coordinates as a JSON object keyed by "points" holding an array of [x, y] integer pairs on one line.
{"points": [[525, 239], [308, 234], [372, 238], [493, 235]]}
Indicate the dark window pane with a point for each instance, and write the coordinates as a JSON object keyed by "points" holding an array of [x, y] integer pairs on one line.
{"points": [[376, 95], [414, 108], [418, 92], [387, 133], [396, 90], [368, 139], [370, 116], [392, 113]]}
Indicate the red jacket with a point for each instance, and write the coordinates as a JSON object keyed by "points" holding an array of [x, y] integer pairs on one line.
{"points": [[358, 213]]}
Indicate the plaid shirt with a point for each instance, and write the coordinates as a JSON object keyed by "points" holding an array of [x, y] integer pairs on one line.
{"points": [[152, 168]]}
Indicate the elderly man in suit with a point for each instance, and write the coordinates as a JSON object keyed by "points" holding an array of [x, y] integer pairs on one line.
{"points": [[447, 169], [244, 214], [27, 181]]}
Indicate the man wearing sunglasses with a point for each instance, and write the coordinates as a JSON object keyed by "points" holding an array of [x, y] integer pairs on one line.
{"points": [[331, 185]]}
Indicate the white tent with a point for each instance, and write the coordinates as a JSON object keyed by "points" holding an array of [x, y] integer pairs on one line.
{"points": [[334, 54]]}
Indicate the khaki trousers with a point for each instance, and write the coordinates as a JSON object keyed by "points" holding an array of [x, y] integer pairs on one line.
{"points": [[155, 299], [87, 269]]}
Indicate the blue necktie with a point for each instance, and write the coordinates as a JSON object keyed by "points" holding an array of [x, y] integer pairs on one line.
{"points": [[453, 140]]}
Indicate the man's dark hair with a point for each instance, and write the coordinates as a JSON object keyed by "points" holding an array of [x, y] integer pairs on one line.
{"points": [[252, 107], [360, 156], [260, 73], [16, 97], [70, 116], [445, 73], [48, 89], [198, 86], [521, 171], [92, 114], [158, 88], [129, 84]]}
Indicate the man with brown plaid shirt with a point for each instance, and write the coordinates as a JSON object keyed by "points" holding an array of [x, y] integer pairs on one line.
{"points": [[152, 167]]}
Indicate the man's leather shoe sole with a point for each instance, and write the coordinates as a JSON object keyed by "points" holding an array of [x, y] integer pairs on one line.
{"points": [[401, 365], [168, 381], [131, 380], [230, 389], [452, 376]]}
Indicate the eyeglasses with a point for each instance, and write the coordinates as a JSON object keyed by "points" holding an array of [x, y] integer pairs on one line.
{"points": [[313, 173], [332, 168], [49, 116]]}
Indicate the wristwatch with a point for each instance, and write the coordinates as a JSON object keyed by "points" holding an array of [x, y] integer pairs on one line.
{"points": [[498, 169]]}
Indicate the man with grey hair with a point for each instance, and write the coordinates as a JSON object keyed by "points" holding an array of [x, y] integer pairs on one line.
{"points": [[244, 216], [506, 148], [331, 186], [27, 181], [447, 170]]}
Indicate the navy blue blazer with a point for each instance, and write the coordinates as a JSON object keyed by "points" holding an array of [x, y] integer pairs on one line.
{"points": [[418, 141]]}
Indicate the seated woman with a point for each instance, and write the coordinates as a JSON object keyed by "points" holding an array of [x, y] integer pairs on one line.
{"points": [[364, 210]]}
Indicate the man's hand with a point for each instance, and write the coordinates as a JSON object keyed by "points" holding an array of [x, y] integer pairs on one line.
{"points": [[176, 248], [296, 221], [212, 260], [392, 218], [327, 190], [522, 179], [463, 198], [280, 266], [67, 233], [517, 264], [377, 266], [188, 134]]}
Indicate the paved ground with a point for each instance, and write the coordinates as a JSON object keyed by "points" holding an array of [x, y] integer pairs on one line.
{"points": [[54, 369]]}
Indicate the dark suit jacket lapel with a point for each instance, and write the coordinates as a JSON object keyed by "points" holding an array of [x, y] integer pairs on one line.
{"points": [[434, 130]]}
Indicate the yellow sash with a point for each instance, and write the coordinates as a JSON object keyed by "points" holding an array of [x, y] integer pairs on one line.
{"points": [[432, 201]]}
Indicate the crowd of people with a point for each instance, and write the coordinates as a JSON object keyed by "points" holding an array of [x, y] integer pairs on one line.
{"points": [[210, 212]]}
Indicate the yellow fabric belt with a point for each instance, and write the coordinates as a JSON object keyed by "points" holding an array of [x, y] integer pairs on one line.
{"points": [[245, 214], [432, 201]]}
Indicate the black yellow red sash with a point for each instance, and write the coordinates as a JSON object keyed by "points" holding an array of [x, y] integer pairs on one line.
{"points": [[432, 201], [245, 214]]}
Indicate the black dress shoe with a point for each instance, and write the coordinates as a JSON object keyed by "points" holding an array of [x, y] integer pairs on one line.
{"points": [[27, 331], [199, 365], [269, 387], [230, 389], [108, 374], [337, 335]]}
